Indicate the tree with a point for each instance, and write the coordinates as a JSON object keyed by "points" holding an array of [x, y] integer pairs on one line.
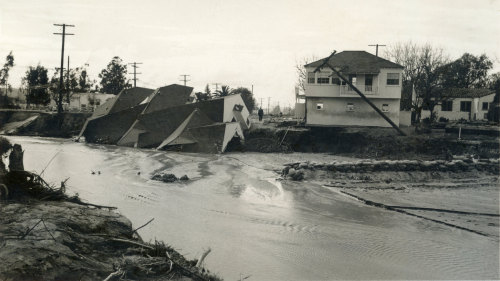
{"points": [[36, 81], [301, 71], [84, 83], [494, 109], [201, 96], [113, 78], [224, 91], [4, 76], [468, 71], [247, 97], [422, 74]]}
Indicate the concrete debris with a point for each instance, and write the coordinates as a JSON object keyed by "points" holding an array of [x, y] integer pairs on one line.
{"points": [[167, 118]]}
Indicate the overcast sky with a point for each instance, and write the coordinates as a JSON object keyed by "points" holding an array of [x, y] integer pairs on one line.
{"points": [[238, 43]]}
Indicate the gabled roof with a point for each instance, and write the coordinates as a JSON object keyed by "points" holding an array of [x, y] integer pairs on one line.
{"points": [[168, 96], [128, 98], [356, 62], [455, 93]]}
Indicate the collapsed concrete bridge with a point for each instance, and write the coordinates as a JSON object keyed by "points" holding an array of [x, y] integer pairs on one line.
{"points": [[168, 117]]}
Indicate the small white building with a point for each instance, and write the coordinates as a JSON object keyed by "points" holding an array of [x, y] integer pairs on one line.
{"points": [[330, 102], [464, 103], [83, 101]]}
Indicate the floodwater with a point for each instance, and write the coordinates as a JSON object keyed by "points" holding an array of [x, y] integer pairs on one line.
{"points": [[256, 225]]}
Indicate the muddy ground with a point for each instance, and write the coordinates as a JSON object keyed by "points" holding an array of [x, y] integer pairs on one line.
{"points": [[56, 240], [460, 193]]}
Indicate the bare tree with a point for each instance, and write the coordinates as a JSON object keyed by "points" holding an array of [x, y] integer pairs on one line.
{"points": [[301, 71], [422, 74]]}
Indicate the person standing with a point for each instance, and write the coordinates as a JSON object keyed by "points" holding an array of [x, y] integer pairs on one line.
{"points": [[261, 113]]}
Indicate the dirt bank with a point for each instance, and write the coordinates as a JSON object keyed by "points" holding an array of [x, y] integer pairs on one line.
{"points": [[50, 240], [376, 143], [37, 123], [48, 235]]}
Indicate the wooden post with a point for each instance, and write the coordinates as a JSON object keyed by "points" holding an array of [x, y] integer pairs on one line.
{"points": [[16, 158]]}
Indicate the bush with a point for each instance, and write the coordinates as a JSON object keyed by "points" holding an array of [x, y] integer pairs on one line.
{"points": [[444, 120]]}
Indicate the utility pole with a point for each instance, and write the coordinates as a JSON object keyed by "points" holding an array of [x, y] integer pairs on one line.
{"points": [[134, 65], [261, 103], [185, 78], [216, 86], [60, 98], [67, 83], [268, 102], [376, 48]]}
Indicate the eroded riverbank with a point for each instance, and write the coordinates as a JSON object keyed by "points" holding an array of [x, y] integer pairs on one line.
{"points": [[271, 229]]}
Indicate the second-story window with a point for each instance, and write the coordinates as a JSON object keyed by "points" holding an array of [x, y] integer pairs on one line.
{"points": [[392, 78], [323, 80], [310, 77]]}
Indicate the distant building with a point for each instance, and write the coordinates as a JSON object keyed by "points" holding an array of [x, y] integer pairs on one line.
{"points": [[330, 102], [82, 101], [463, 103]]}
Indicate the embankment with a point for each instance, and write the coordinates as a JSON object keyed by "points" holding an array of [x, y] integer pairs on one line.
{"points": [[38, 123], [376, 143]]}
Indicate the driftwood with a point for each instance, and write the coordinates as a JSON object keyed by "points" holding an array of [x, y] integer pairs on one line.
{"points": [[135, 230], [202, 257], [16, 158], [132, 243], [113, 274]]}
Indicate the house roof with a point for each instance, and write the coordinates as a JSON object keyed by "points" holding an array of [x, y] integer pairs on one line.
{"points": [[455, 93], [128, 98], [168, 96], [357, 62]]}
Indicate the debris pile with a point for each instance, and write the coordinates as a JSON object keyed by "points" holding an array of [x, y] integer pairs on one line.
{"points": [[168, 178], [297, 171], [48, 235], [167, 118]]}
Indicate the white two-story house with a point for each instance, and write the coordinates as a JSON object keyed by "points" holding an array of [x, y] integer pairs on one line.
{"points": [[331, 102]]}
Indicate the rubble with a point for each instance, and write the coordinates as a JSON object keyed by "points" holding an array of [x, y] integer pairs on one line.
{"points": [[167, 117]]}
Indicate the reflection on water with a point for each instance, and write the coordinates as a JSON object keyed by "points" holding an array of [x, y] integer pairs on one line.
{"points": [[257, 225]]}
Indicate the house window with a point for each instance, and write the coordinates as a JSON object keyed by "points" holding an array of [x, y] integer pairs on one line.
{"points": [[485, 106], [335, 80], [349, 107], [368, 82], [465, 106], [447, 105], [352, 79], [385, 107], [323, 80], [310, 77], [392, 78], [319, 106]]}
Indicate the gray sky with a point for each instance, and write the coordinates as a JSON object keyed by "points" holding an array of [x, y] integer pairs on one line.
{"points": [[238, 43]]}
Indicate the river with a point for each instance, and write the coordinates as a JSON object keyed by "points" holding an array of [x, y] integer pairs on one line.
{"points": [[255, 224]]}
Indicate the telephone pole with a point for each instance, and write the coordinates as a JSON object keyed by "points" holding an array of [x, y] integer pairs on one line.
{"points": [[216, 86], [67, 84], [60, 98], [185, 78], [376, 48], [134, 65], [268, 102]]}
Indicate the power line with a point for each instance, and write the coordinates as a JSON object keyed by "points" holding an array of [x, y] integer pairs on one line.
{"points": [[376, 48], [59, 100], [134, 65], [185, 78]]}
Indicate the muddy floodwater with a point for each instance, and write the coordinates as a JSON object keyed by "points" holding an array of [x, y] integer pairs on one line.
{"points": [[259, 226]]}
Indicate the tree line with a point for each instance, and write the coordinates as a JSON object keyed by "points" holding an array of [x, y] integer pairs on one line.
{"points": [[40, 89], [429, 72]]}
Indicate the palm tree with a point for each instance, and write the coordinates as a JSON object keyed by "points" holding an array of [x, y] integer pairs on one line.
{"points": [[224, 91]]}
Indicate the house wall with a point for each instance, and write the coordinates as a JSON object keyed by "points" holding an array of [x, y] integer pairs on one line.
{"points": [[335, 113], [229, 103], [476, 109]]}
